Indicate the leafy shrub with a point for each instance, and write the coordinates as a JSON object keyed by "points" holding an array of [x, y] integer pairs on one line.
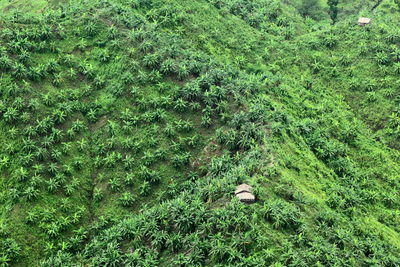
{"points": [[282, 215]]}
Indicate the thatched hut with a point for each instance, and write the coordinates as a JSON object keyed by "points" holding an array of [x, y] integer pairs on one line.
{"points": [[244, 193], [364, 21]]}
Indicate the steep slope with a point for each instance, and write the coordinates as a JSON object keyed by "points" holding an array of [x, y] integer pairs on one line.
{"points": [[127, 124], [362, 65]]}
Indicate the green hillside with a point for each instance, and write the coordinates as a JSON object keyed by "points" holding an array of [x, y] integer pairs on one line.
{"points": [[125, 126]]}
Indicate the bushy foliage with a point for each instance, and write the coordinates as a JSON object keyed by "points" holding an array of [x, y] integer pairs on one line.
{"points": [[310, 8], [126, 126]]}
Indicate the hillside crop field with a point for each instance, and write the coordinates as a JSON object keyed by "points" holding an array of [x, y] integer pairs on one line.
{"points": [[126, 125]]}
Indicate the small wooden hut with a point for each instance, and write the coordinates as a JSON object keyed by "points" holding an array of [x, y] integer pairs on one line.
{"points": [[244, 193], [364, 21]]}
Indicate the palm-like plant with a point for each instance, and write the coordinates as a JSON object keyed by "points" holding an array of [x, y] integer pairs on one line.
{"points": [[78, 126], [52, 185], [167, 66], [21, 174], [82, 144], [396, 67], [5, 63], [129, 179], [180, 105], [92, 115], [90, 28], [69, 189], [58, 79], [24, 56], [151, 60], [115, 184], [48, 141], [144, 188], [180, 160], [31, 193], [4, 162], [53, 168], [206, 121], [169, 131], [56, 155], [11, 115], [127, 199], [77, 163], [53, 229], [97, 195], [148, 158], [382, 58], [396, 53]]}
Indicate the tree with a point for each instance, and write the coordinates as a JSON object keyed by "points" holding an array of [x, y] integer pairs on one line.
{"points": [[310, 8], [333, 10]]}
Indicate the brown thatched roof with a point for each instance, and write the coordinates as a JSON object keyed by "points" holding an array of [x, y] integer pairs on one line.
{"points": [[364, 20], [243, 188]]}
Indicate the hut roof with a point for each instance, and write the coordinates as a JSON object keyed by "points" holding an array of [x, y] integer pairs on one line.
{"points": [[364, 20], [246, 196], [243, 188]]}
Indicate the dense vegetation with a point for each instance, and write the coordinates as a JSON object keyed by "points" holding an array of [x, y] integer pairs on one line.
{"points": [[127, 124]]}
